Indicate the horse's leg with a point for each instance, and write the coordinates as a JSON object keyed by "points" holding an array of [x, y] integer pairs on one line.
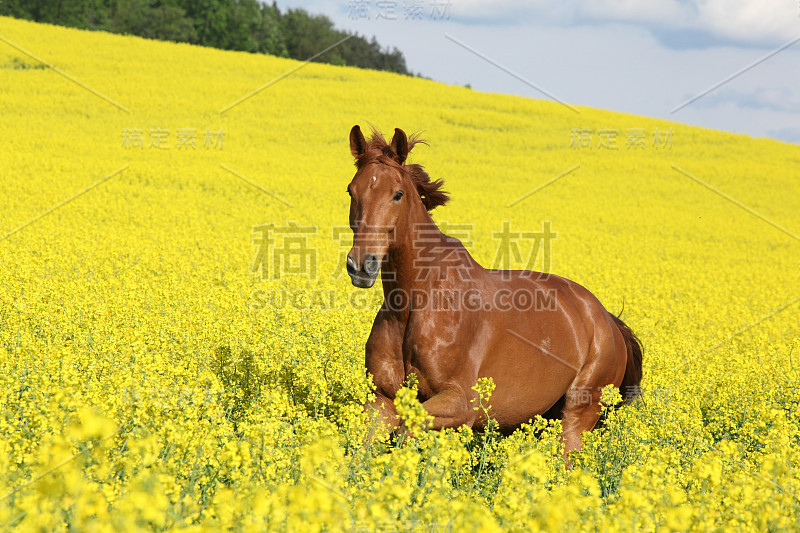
{"points": [[581, 413], [605, 365], [450, 408], [384, 360], [383, 418]]}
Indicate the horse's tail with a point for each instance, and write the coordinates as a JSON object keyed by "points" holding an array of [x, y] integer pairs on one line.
{"points": [[633, 368]]}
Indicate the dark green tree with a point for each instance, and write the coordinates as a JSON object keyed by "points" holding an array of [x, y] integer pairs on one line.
{"points": [[306, 35], [245, 25], [167, 22], [268, 34]]}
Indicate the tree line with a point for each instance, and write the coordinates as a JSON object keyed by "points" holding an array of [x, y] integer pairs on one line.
{"points": [[244, 25]]}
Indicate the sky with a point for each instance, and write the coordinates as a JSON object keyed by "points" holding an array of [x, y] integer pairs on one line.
{"points": [[721, 64]]}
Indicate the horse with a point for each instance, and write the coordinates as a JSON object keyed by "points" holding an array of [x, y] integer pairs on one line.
{"points": [[442, 318]]}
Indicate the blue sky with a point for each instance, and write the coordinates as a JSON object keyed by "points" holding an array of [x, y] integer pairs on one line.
{"points": [[646, 57]]}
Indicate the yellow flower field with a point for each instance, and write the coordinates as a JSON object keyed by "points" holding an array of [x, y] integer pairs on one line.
{"points": [[180, 348]]}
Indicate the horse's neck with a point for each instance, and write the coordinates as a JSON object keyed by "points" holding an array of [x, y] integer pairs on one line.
{"points": [[421, 256]]}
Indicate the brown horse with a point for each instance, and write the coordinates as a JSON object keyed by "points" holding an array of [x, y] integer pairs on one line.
{"points": [[547, 342]]}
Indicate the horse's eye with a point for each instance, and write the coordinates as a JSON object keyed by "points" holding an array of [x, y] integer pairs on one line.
{"points": [[397, 196]]}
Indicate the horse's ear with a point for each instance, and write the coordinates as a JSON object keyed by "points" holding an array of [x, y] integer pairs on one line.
{"points": [[358, 145], [400, 145]]}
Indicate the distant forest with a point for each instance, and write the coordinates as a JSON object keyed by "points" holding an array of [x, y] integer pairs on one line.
{"points": [[245, 25]]}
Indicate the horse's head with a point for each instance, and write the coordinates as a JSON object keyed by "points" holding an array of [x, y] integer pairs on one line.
{"points": [[384, 194]]}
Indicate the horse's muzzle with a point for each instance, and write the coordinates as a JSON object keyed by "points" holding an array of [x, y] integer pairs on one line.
{"points": [[365, 276]]}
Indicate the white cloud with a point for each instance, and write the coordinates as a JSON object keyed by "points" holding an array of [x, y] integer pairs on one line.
{"points": [[675, 23], [779, 99]]}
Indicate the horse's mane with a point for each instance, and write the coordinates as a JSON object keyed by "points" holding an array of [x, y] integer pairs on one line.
{"points": [[379, 151]]}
